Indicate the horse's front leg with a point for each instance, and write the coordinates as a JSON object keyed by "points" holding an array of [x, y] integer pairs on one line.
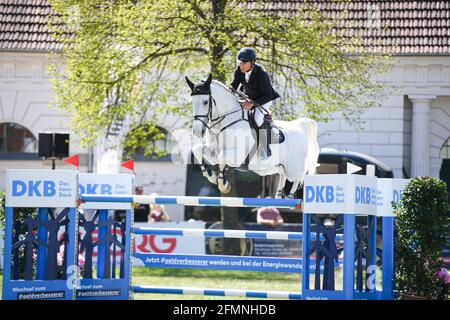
{"points": [[223, 184], [200, 155], [211, 177], [294, 187]]}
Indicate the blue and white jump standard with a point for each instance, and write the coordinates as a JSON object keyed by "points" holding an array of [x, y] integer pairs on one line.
{"points": [[194, 201], [357, 200], [44, 275]]}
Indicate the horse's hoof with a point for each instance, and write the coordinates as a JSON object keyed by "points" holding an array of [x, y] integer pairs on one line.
{"points": [[279, 195], [213, 179], [224, 187]]}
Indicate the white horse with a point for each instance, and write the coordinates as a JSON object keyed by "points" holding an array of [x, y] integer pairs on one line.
{"points": [[223, 137]]}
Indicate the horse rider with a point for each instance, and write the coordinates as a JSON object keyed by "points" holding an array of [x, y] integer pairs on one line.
{"points": [[256, 85]]}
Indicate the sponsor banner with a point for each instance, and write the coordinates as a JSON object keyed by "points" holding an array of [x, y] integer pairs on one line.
{"points": [[167, 243], [106, 184], [155, 243], [37, 290], [41, 188], [217, 262], [341, 194], [389, 190], [275, 248]]}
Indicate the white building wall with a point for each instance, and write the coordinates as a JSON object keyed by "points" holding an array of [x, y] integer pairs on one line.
{"points": [[386, 133], [380, 136], [26, 93], [25, 96]]}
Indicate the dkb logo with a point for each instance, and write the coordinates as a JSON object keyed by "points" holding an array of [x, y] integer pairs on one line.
{"points": [[38, 188], [93, 188], [324, 194], [397, 196], [362, 195]]}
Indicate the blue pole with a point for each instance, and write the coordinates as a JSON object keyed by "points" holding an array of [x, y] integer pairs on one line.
{"points": [[101, 248], [127, 266], [373, 251], [388, 258], [349, 255], [9, 216], [41, 249], [305, 254]]}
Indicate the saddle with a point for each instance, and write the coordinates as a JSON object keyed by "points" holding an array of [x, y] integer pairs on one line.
{"points": [[277, 135]]}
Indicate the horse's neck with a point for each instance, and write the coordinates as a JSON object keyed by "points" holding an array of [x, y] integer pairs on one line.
{"points": [[225, 101]]}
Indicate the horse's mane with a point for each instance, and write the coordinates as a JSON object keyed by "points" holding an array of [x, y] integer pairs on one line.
{"points": [[221, 84]]}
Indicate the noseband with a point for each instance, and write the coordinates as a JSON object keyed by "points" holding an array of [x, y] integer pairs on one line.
{"points": [[207, 119]]}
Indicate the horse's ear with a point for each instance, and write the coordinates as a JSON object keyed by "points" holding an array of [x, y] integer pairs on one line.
{"points": [[189, 82], [208, 81]]}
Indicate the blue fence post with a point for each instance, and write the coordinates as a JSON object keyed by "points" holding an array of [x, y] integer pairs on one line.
{"points": [[9, 218], [42, 241], [388, 258], [102, 246], [373, 250], [305, 253], [349, 255], [125, 259]]}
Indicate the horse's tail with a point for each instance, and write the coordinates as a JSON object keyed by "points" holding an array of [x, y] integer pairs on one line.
{"points": [[313, 146]]}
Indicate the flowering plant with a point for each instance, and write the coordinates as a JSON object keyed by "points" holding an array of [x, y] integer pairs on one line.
{"points": [[444, 276], [60, 259]]}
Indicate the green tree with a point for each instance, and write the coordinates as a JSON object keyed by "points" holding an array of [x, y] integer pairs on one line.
{"points": [[128, 58]]}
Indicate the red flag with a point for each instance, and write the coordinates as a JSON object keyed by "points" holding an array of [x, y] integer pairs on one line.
{"points": [[128, 164], [73, 160]]}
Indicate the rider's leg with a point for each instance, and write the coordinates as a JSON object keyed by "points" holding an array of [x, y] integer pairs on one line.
{"points": [[264, 131]]}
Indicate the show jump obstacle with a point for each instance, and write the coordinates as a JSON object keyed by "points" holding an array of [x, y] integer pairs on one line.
{"points": [[73, 248]]}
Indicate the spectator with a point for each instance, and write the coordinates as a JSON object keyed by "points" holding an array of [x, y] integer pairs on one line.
{"points": [[141, 211], [269, 216], [158, 214]]}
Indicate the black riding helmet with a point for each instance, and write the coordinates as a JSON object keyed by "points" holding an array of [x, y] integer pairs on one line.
{"points": [[246, 54]]}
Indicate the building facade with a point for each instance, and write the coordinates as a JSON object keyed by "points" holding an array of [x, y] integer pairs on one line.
{"points": [[409, 132]]}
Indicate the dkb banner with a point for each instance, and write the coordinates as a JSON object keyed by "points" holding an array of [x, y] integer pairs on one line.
{"points": [[41, 188]]}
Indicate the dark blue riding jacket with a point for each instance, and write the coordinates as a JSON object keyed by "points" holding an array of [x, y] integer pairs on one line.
{"points": [[258, 88]]}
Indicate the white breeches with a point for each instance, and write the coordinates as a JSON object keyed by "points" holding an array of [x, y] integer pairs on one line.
{"points": [[259, 114]]}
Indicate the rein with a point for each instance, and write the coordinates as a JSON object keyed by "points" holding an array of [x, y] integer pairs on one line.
{"points": [[211, 123]]}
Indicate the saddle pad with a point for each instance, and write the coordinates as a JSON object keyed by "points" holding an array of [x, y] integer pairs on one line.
{"points": [[276, 131]]}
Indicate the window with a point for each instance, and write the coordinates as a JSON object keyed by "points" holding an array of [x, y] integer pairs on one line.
{"points": [[16, 138], [445, 150], [149, 143]]}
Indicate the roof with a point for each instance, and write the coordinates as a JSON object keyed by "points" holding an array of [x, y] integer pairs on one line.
{"points": [[23, 26], [399, 27]]}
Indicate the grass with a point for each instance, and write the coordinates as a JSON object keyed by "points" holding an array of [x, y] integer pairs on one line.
{"points": [[217, 279], [212, 279]]}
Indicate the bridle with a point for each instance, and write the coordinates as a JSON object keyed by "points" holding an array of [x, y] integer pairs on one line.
{"points": [[207, 120]]}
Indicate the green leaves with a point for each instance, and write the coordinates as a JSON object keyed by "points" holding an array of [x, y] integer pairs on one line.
{"points": [[129, 58], [422, 226]]}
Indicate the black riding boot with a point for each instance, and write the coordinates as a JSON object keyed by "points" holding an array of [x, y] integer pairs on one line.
{"points": [[264, 140]]}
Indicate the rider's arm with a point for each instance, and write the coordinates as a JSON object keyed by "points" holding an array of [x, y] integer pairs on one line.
{"points": [[236, 80], [266, 89]]}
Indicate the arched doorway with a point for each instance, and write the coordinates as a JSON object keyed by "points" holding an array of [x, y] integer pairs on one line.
{"points": [[15, 138]]}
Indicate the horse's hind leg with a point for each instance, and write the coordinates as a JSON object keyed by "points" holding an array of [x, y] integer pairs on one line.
{"points": [[294, 187], [281, 183]]}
